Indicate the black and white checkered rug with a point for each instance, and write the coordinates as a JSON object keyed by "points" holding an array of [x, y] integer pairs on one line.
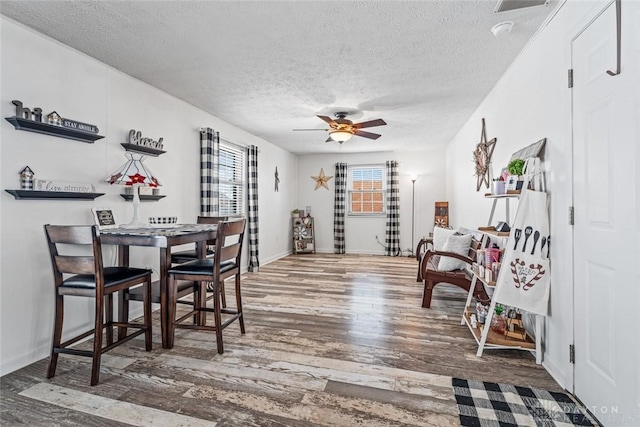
{"points": [[483, 404]]}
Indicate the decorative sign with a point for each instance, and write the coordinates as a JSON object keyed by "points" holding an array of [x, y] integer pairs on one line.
{"points": [[135, 138], [25, 113], [67, 186], [104, 218], [53, 118], [442, 215], [534, 150], [79, 126]]}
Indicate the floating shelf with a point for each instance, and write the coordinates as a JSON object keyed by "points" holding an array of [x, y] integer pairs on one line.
{"points": [[142, 149], [47, 129], [144, 197], [509, 193], [61, 195]]}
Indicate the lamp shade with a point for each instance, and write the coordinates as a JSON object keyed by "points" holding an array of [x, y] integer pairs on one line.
{"points": [[133, 171], [135, 174], [340, 135]]}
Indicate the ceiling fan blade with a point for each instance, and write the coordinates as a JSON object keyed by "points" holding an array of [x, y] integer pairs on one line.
{"points": [[309, 129], [366, 134], [369, 124], [329, 139], [327, 119]]}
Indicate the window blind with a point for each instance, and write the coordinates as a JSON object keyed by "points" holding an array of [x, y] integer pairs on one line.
{"points": [[232, 180]]}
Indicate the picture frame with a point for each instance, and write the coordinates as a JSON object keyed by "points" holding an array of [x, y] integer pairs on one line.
{"points": [[104, 218]]}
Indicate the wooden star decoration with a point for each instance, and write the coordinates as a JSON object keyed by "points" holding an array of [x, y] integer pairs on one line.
{"points": [[321, 180], [482, 157], [277, 180]]}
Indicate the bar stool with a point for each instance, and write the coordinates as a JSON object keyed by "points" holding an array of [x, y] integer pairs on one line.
{"points": [[90, 279], [224, 265]]}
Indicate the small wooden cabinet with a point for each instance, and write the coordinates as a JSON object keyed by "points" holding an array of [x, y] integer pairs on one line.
{"points": [[303, 235]]}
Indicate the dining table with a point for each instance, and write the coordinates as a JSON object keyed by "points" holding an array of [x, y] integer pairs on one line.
{"points": [[164, 237]]}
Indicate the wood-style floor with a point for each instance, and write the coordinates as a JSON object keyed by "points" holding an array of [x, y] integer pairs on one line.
{"points": [[331, 341]]}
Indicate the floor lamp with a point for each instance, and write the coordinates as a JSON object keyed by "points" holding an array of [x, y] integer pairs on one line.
{"points": [[413, 213]]}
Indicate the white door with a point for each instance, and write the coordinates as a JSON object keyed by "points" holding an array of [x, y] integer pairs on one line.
{"points": [[606, 156]]}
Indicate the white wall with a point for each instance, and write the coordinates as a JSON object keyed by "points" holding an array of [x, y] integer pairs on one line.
{"points": [[43, 73], [360, 232], [530, 102]]}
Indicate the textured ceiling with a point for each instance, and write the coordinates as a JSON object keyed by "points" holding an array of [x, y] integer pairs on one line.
{"points": [[271, 66]]}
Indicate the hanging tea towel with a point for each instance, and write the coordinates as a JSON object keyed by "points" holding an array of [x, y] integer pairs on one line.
{"points": [[524, 279]]}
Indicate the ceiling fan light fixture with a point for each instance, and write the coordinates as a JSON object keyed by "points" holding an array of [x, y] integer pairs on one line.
{"points": [[340, 135]]}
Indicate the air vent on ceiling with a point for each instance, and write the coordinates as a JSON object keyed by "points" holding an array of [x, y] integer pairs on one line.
{"points": [[505, 5]]}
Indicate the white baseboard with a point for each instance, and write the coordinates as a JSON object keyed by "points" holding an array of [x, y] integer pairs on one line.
{"points": [[556, 371], [351, 252], [275, 257]]}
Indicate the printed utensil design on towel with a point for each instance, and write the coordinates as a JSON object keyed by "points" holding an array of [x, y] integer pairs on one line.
{"points": [[527, 232], [536, 236], [544, 242], [518, 233], [548, 245]]}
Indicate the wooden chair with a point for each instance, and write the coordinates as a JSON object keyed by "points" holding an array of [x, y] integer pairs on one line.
{"points": [[90, 279], [184, 288], [224, 265], [429, 273], [192, 255]]}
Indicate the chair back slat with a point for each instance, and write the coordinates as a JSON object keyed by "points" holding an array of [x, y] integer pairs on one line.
{"points": [[75, 264], [78, 235], [230, 252], [70, 234]]}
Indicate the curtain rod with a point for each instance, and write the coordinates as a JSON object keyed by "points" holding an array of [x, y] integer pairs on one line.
{"points": [[238, 145]]}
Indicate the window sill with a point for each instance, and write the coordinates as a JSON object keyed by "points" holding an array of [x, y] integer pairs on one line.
{"points": [[368, 215]]}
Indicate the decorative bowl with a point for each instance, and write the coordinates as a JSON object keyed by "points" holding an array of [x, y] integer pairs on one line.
{"points": [[163, 219]]}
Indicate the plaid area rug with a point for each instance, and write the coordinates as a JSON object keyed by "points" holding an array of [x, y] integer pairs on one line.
{"points": [[483, 404]]}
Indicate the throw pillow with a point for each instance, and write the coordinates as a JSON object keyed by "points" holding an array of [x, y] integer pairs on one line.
{"points": [[440, 237], [458, 245]]}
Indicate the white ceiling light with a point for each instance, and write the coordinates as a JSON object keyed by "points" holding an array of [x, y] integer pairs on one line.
{"points": [[502, 28], [340, 135]]}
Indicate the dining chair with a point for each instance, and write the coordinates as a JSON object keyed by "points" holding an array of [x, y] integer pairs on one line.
{"points": [[183, 288], [192, 254], [224, 265], [87, 277]]}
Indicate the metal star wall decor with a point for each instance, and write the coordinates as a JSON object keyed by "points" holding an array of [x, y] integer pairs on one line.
{"points": [[277, 180], [321, 180], [482, 157]]}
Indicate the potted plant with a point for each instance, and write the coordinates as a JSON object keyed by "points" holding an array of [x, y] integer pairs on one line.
{"points": [[295, 213], [515, 168], [498, 321]]}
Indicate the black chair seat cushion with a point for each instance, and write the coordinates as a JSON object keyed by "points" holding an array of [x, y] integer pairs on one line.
{"points": [[201, 267], [186, 256], [112, 276]]}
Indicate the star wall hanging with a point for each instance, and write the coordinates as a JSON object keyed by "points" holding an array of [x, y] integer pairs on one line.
{"points": [[321, 180], [482, 157], [277, 180]]}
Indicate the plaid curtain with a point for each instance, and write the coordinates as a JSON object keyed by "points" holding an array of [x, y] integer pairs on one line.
{"points": [[392, 234], [339, 207], [209, 167], [252, 206]]}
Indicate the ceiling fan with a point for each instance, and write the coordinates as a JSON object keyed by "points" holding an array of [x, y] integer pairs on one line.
{"points": [[342, 129]]}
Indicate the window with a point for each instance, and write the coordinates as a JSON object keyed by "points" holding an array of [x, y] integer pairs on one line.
{"points": [[232, 180], [366, 190]]}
